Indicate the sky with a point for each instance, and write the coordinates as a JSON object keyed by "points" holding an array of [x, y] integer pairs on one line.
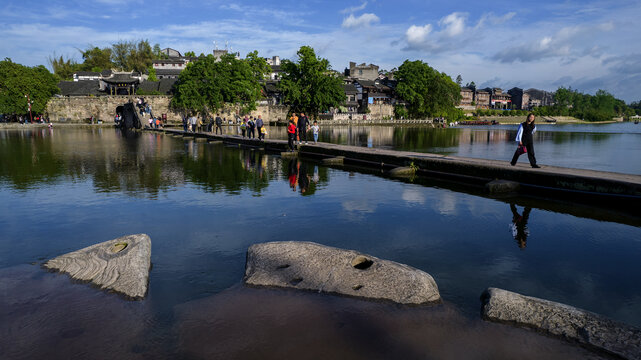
{"points": [[587, 45]]}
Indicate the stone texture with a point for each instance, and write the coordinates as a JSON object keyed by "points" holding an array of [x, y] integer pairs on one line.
{"points": [[310, 266], [289, 154], [402, 171], [338, 160], [502, 186], [121, 265], [562, 320]]}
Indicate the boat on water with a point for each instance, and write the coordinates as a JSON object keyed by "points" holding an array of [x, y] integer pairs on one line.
{"points": [[479, 122]]}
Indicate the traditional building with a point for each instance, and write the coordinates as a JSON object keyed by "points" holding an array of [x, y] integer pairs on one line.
{"points": [[467, 98], [531, 98], [86, 75], [171, 52], [499, 99], [121, 83], [482, 99], [351, 97], [372, 92], [362, 71]]}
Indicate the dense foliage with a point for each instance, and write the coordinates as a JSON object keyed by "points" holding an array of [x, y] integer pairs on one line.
{"points": [[307, 84], [207, 84], [17, 80], [602, 106], [427, 92], [123, 55]]}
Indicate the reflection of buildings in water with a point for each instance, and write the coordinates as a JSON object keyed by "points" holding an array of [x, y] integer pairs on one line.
{"points": [[370, 136], [471, 136]]}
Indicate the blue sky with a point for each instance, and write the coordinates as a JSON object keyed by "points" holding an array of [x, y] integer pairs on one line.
{"points": [[588, 45]]}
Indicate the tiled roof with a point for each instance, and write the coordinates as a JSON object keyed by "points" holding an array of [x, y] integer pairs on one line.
{"points": [[79, 88], [87, 73], [168, 72]]}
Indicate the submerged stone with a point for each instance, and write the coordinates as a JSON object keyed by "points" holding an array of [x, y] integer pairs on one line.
{"points": [[310, 266], [338, 160], [121, 265], [502, 186], [562, 320], [289, 154], [402, 171]]}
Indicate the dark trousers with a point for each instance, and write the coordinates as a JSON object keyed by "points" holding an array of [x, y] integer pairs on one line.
{"points": [[260, 133], [530, 154], [251, 134], [290, 140], [218, 127], [302, 135]]}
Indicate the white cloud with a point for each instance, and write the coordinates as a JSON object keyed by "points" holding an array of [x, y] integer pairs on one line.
{"points": [[568, 42], [417, 35], [354, 9], [364, 20], [454, 24]]}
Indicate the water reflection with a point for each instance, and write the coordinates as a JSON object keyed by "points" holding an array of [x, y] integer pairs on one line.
{"points": [[520, 231], [597, 147]]}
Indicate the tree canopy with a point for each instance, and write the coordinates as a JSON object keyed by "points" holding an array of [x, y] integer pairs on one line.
{"points": [[427, 92], [17, 80], [207, 84], [307, 84], [602, 106]]}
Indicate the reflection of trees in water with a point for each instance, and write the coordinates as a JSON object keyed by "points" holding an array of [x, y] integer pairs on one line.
{"points": [[27, 159], [425, 138], [131, 163], [230, 170]]}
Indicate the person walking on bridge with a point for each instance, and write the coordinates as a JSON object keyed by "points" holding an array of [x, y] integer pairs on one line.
{"points": [[219, 124], [525, 140], [303, 125]]}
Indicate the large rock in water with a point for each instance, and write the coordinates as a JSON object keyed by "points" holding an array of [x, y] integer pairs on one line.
{"points": [[310, 266], [562, 320], [121, 265]]}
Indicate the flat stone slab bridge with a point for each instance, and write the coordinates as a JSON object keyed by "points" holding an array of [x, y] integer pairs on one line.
{"points": [[622, 191]]}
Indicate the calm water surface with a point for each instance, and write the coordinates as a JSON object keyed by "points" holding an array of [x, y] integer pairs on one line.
{"points": [[204, 204], [608, 147]]}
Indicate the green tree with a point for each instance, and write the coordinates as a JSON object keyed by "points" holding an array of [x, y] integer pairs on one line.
{"points": [[427, 92], [96, 58], [129, 55], [158, 54], [259, 66], [208, 84], [459, 80], [64, 69], [152, 74], [307, 86], [17, 80], [190, 54]]}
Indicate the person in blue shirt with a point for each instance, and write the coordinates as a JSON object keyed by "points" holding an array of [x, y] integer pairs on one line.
{"points": [[525, 139]]}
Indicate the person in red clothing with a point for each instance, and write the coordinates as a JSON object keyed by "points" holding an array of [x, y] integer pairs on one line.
{"points": [[291, 134]]}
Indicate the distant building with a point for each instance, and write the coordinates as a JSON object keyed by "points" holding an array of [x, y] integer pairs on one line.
{"points": [[482, 99], [499, 99], [86, 75], [531, 98], [467, 98], [171, 52], [275, 60], [362, 71], [372, 92], [351, 97]]}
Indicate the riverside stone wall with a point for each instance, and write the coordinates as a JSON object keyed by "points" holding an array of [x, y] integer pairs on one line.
{"points": [[77, 109]]}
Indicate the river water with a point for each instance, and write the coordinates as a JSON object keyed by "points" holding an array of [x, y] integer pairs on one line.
{"points": [[204, 204], [609, 147]]}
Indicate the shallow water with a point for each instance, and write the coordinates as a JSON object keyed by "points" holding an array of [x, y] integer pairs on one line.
{"points": [[204, 204]]}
